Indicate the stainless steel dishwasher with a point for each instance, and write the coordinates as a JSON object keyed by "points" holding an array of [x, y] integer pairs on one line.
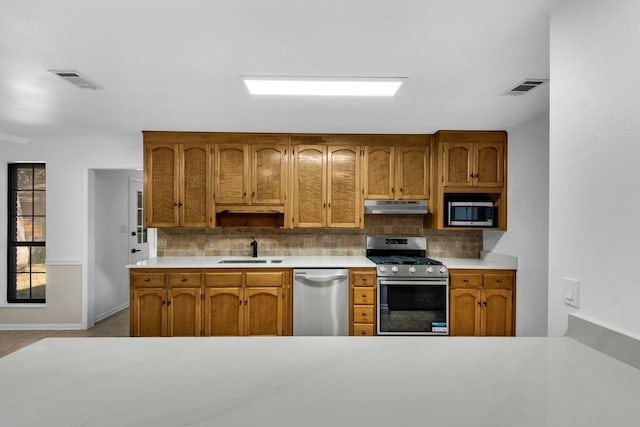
{"points": [[320, 302]]}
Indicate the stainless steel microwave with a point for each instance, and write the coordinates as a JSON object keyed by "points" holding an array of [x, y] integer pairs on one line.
{"points": [[470, 214]]}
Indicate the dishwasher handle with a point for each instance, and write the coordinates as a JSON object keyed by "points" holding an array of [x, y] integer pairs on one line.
{"points": [[312, 278]]}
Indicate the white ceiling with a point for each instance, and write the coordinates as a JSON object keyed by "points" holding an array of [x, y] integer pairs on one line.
{"points": [[176, 64]]}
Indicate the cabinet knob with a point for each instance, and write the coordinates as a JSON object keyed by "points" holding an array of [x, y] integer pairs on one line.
{"points": [[466, 281], [147, 280], [498, 281], [364, 314], [363, 333], [364, 295], [183, 280]]}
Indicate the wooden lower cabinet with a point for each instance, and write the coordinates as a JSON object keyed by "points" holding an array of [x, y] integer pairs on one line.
{"points": [[481, 302], [198, 302], [362, 302]]}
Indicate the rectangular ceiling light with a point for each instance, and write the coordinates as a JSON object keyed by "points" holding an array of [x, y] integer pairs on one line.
{"points": [[323, 86]]}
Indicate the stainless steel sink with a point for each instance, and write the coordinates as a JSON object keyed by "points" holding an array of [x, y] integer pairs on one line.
{"points": [[249, 261]]}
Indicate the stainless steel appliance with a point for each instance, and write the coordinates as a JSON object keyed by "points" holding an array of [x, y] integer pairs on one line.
{"points": [[399, 207], [413, 290], [320, 302], [470, 213]]}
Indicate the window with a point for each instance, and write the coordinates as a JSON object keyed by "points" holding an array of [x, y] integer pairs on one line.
{"points": [[27, 230]]}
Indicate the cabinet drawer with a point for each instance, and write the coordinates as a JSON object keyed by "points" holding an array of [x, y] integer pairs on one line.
{"points": [[361, 278], [184, 279], [363, 330], [265, 278], [363, 314], [223, 280], [498, 280], [147, 280], [465, 280], [363, 295]]}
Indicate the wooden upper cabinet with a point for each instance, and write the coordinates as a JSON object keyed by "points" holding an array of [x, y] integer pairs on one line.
{"points": [[474, 159], [161, 184], [397, 172], [177, 185], [268, 174], [232, 168], [309, 186], [344, 201], [412, 172], [326, 186], [379, 172]]}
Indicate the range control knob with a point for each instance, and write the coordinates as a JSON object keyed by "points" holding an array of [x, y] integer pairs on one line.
{"points": [[443, 269], [412, 269], [429, 270], [382, 269], [394, 269]]}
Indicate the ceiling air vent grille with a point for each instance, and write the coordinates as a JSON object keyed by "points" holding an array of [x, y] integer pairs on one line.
{"points": [[525, 86], [77, 79]]}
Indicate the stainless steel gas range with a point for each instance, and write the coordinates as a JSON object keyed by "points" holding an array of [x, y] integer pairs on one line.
{"points": [[413, 290]]}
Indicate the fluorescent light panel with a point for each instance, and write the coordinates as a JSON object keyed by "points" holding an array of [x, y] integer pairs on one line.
{"points": [[347, 86]]}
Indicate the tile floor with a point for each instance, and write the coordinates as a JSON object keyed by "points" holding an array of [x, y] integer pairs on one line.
{"points": [[116, 325]]}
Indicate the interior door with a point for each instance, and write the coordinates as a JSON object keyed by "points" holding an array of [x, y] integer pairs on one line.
{"points": [[138, 236]]}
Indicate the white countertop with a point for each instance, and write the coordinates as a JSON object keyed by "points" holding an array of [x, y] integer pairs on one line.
{"points": [[316, 381], [488, 260], [287, 262]]}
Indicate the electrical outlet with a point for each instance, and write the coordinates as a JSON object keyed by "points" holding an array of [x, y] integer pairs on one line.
{"points": [[572, 292]]}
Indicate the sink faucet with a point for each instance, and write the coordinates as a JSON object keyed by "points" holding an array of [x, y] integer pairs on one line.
{"points": [[254, 247]]}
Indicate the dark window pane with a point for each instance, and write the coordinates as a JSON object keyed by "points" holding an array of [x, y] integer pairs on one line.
{"points": [[38, 255], [39, 203], [23, 229], [24, 202], [24, 178], [39, 229], [39, 177]]}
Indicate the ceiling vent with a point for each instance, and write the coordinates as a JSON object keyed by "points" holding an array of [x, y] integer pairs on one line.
{"points": [[527, 85], [77, 79]]}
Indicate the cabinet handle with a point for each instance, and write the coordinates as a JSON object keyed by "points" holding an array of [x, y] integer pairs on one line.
{"points": [[168, 303], [183, 280], [329, 205], [240, 301], [147, 280], [484, 303], [244, 194], [479, 302], [498, 281], [364, 314], [246, 302], [363, 333], [324, 205], [175, 205], [253, 194], [164, 302], [392, 190], [364, 295], [179, 204], [401, 190], [465, 281]]}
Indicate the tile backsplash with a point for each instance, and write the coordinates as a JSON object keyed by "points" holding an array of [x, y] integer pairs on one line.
{"points": [[274, 242]]}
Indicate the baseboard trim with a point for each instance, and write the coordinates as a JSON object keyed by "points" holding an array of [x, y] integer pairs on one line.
{"points": [[111, 312], [40, 326], [625, 348]]}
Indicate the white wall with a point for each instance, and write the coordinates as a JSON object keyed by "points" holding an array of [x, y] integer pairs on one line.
{"points": [[528, 223], [111, 277], [595, 162], [67, 184]]}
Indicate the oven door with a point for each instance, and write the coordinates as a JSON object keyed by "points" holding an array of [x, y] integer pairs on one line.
{"points": [[413, 307]]}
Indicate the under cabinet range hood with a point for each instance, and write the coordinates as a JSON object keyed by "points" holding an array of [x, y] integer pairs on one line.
{"points": [[398, 207]]}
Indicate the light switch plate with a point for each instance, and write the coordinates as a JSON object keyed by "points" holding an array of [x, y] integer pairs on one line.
{"points": [[572, 292]]}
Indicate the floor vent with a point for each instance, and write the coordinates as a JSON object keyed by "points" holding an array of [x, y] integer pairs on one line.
{"points": [[77, 79], [527, 85]]}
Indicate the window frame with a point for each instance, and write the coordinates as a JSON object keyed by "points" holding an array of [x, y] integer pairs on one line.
{"points": [[12, 243]]}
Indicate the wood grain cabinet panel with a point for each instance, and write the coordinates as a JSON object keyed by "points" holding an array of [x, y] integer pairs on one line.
{"points": [[223, 311], [184, 313], [362, 301], [232, 167], [397, 172], [148, 312], [344, 201], [481, 302], [309, 186], [268, 174], [177, 181]]}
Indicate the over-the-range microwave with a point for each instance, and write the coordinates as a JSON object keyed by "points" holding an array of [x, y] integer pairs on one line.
{"points": [[470, 214]]}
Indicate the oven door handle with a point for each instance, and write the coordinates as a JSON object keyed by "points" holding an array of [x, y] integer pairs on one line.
{"points": [[413, 282]]}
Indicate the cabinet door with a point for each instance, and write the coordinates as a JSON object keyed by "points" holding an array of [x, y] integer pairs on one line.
{"points": [[309, 178], [464, 312], [232, 165], [184, 312], [344, 198], [497, 312], [196, 200], [413, 172], [268, 174], [263, 311], [489, 164], [379, 173], [223, 311], [148, 314], [161, 185], [458, 164]]}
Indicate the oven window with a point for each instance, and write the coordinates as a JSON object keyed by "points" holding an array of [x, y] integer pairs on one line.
{"points": [[413, 308]]}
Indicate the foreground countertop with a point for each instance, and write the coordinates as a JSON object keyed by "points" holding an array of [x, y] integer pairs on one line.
{"points": [[287, 262], [317, 381]]}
